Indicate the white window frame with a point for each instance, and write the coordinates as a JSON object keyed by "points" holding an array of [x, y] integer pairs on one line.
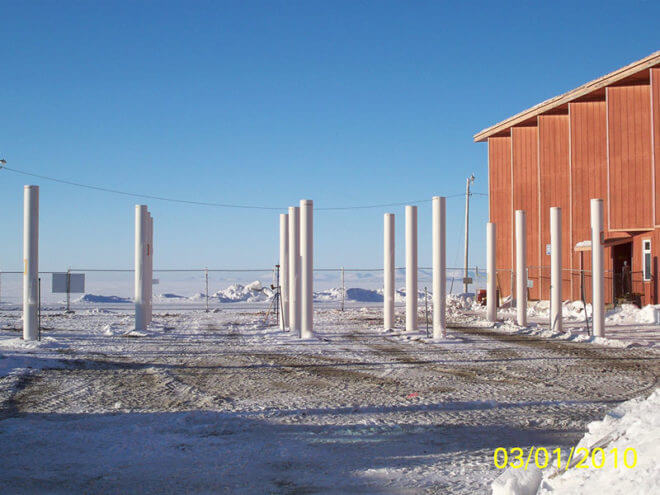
{"points": [[646, 251]]}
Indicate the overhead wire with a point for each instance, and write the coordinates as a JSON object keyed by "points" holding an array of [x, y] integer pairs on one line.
{"points": [[3, 166]]}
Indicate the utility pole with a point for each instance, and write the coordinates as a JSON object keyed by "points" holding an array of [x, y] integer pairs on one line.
{"points": [[466, 279]]}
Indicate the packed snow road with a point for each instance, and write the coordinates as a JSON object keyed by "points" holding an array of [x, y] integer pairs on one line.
{"points": [[217, 403]]}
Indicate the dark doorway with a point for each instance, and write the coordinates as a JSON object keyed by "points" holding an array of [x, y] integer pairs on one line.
{"points": [[622, 270]]}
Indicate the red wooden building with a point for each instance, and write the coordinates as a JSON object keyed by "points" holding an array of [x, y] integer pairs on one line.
{"points": [[601, 140]]}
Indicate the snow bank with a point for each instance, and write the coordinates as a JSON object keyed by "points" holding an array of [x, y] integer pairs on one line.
{"points": [[629, 314], [95, 298], [356, 294], [18, 343], [626, 314], [252, 292], [518, 481], [170, 296], [634, 424]]}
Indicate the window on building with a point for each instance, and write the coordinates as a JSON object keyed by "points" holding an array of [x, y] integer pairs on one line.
{"points": [[646, 259]]}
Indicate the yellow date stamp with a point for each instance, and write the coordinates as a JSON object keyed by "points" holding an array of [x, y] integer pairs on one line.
{"points": [[580, 458]]}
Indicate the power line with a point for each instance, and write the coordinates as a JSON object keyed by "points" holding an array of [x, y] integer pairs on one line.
{"points": [[137, 195], [205, 203]]}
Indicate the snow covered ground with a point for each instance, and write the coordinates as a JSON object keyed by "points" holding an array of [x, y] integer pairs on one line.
{"points": [[219, 402], [625, 326]]}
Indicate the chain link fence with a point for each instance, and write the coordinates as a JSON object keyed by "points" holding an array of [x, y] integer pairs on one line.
{"points": [[226, 288]]}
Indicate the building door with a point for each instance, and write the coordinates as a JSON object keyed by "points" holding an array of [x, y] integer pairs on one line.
{"points": [[622, 270]]}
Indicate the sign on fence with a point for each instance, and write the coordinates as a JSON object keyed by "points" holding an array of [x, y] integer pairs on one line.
{"points": [[467, 280], [74, 282]]}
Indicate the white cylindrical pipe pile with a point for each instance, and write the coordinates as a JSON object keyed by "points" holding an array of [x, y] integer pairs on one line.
{"points": [[521, 267], [30, 262], [491, 268], [597, 267], [411, 268], [556, 317], [284, 271], [294, 269], [141, 238], [150, 267], [388, 271], [439, 268], [307, 268]]}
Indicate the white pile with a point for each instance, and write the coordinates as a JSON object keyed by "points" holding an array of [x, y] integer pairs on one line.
{"points": [[635, 424]]}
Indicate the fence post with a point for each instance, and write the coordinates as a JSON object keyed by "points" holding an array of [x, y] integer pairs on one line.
{"points": [[206, 275], [30, 262], [277, 297], [343, 289], [68, 290], [411, 268], [521, 267]]}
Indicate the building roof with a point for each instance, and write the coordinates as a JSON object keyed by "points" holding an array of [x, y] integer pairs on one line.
{"points": [[621, 75]]}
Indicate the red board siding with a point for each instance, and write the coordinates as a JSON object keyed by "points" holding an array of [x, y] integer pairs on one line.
{"points": [[500, 207], [630, 166], [555, 177], [655, 101], [525, 166], [588, 143]]}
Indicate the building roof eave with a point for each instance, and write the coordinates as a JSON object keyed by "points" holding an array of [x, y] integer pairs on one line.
{"points": [[547, 105]]}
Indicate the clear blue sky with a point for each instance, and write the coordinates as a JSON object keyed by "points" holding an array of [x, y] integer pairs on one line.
{"points": [[265, 103]]}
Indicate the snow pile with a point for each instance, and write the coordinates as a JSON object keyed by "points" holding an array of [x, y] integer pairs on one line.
{"points": [[459, 307], [169, 297], [357, 294], [465, 301], [352, 294], [400, 296], [329, 295], [364, 295], [572, 310], [252, 292], [629, 314], [626, 314], [535, 330], [632, 425], [518, 481], [95, 298], [18, 343], [114, 328]]}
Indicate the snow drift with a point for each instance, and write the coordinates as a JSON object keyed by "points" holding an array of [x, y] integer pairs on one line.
{"points": [[96, 298], [634, 424]]}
